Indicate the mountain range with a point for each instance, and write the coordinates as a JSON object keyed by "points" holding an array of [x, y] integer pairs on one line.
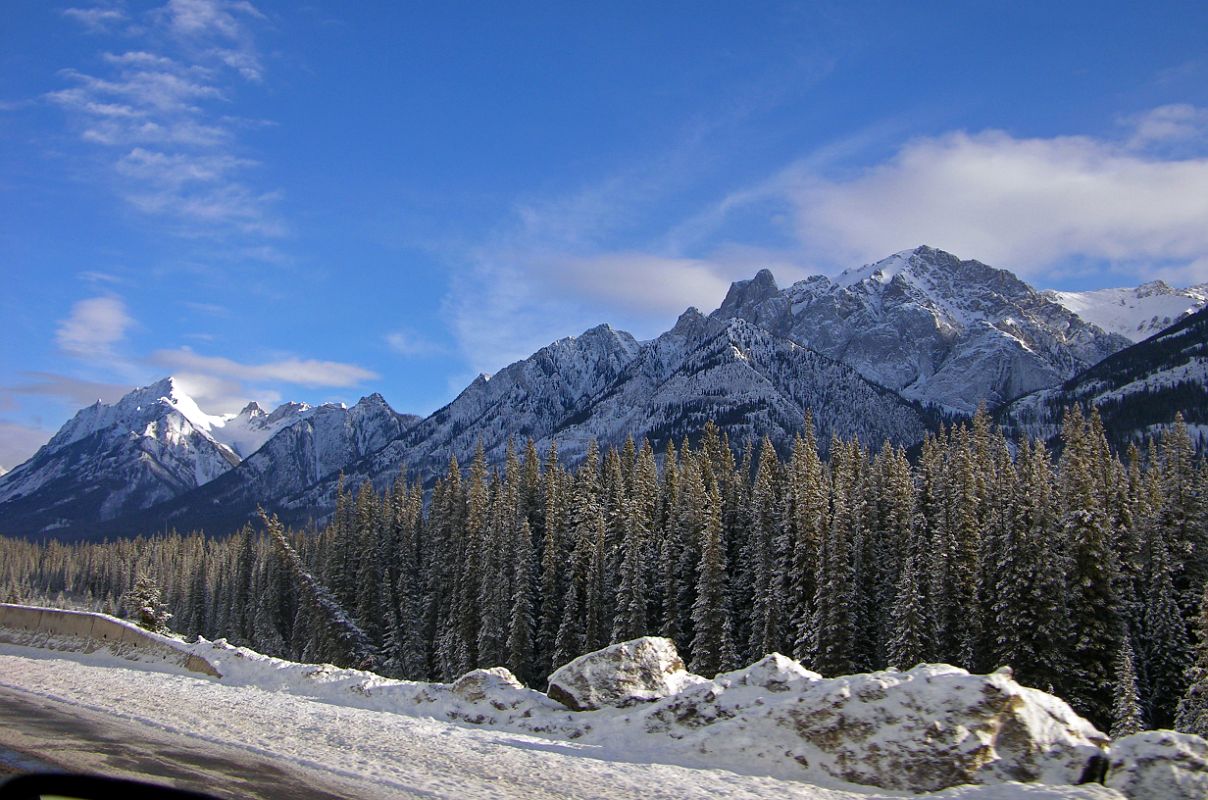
{"points": [[883, 352]]}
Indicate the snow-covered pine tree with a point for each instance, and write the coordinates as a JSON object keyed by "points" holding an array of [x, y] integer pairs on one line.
{"points": [[1095, 619], [145, 603], [1127, 716], [1192, 714], [809, 509], [712, 645], [834, 619], [1167, 651], [351, 647], [521, 622], [767, 599]]}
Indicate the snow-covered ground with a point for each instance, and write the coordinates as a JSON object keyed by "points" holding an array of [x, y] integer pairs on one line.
{"points": [[351, 728]]}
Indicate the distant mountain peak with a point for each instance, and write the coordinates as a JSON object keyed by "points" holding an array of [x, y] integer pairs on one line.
{"points": [[372, 400], [748, 293], [252, 409]]}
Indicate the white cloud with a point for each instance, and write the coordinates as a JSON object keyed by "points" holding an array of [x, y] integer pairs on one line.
{"points": [[1030, 205], [94, 326], [1179, 122], [636, 281], [219, 25], [176, 169], [219, 395], [311, 373], [1136, 204], [96, 20]]}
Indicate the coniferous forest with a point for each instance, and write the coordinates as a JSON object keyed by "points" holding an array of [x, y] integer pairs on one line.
{"points": [[1085, 572]]}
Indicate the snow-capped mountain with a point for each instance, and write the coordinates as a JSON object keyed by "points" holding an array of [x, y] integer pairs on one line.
{"points": [[108, 460], [320, 444], [1137, 390], [1135, 313], [866, 352], [936, 329], [3, 472]]}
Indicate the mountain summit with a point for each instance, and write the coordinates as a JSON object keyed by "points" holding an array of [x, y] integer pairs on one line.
{"points": [[943, 331]]}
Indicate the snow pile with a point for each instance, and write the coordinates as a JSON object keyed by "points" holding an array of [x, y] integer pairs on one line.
{"points": [[927, 729], [1165, 764], [622, 674]]}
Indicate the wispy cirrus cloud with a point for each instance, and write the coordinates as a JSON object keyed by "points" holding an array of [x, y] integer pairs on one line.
{"points": [[98, 19], [410, 344], [157, 111]]}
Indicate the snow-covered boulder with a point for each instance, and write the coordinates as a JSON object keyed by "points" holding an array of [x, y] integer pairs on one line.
{"points": [[924, 730], [636, 671], [1165, 764], [776, 673], [482, 684]]}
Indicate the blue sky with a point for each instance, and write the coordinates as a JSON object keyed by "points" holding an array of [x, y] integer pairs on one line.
{"points": [[315, 201]]}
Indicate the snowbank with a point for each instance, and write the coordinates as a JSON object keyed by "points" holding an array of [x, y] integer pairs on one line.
{"points": [[927, 729]]}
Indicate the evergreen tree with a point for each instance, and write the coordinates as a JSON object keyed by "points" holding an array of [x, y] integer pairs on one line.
{"points": [[1167, 651], [1192, 714], [1126, 705], [712, 645], [1095, 619], [144, 602]]}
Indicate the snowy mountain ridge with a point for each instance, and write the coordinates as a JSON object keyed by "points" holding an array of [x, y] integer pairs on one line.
{"points": [[1136, 390], [1135, 313], [945, 332], [871, 353], [749, 381], [112, 461]]}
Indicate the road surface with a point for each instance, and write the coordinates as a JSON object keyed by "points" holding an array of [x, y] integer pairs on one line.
{"points": [[37, 734]]}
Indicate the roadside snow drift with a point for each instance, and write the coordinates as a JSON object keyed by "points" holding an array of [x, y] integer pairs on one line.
{"points": [[922, 730]]}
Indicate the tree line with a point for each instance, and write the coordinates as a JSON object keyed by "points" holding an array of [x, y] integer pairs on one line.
{"points": [[1084, 572]]}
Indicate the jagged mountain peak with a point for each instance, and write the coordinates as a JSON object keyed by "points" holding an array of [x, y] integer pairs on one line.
{"points": [[286, 410], [940, 274], [938, 329], [749, 293], [373, 399], [252, 409]]}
